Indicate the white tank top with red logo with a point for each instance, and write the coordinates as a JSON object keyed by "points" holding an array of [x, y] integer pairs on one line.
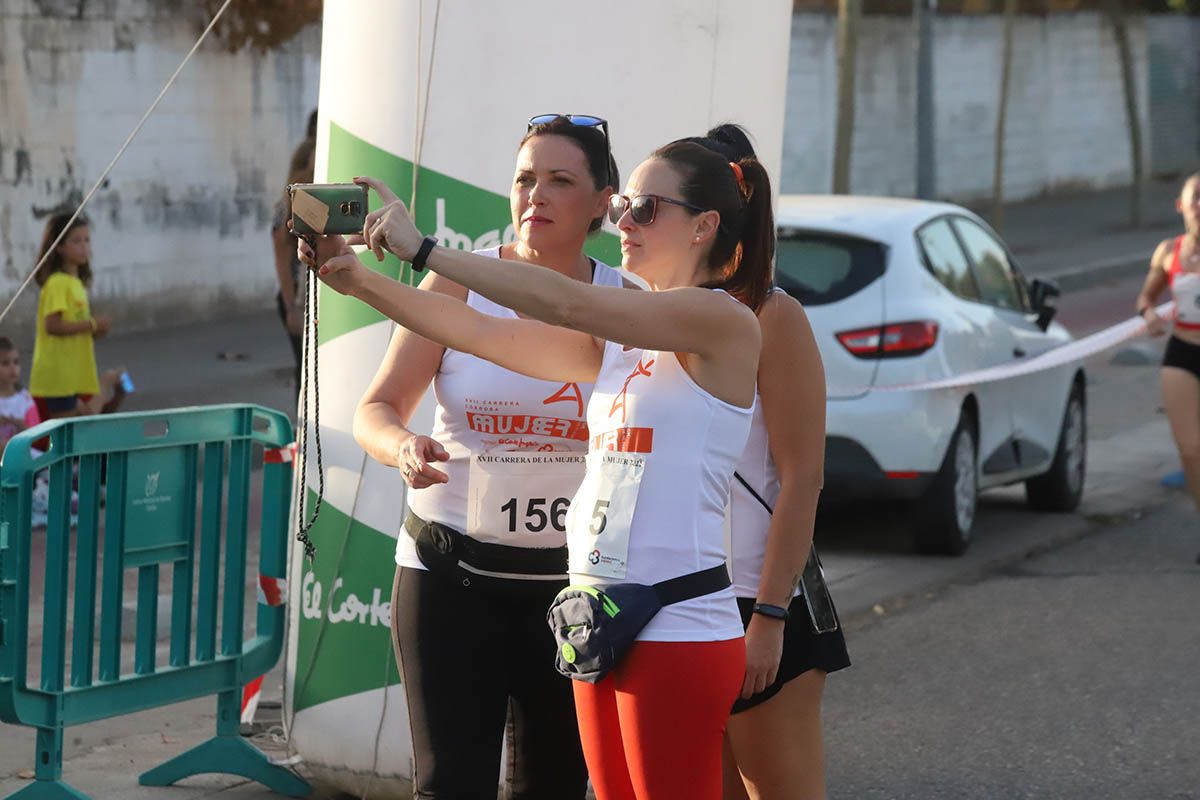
{"points": [[516, 446], [652, 505]]}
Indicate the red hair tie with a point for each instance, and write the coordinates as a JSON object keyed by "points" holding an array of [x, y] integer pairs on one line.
{"points": [[740, 178]]}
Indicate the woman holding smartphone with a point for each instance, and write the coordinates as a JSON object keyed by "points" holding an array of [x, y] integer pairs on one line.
{"points": [[674, 373], [461, 687]]}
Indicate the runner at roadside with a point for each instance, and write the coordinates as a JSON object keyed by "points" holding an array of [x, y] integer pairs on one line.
{"points": [[1176, 264]]}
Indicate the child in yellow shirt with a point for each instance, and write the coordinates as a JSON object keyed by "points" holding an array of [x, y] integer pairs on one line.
{"points": [[63, 379]]}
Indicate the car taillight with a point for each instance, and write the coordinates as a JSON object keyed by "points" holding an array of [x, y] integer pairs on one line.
{"points": [[890, 341]]}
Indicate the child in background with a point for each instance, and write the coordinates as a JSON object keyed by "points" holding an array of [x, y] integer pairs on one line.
{"points": [[63, 380], [17, 409], [18, 412]]}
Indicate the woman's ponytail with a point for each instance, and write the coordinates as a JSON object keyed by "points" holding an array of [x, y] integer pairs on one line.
{"points": [[749, 273], [720, 171]]}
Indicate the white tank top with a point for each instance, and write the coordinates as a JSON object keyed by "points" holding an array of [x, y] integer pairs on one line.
{"points": [[646, 407], [748, 520], [516, 447]]}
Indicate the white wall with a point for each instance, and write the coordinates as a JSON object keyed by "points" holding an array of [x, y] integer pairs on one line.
{"points": [[180, 230], [1066, 118], [1174, 77]]}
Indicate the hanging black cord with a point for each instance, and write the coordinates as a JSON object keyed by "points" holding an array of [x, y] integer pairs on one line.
{"points": [[309, 344]]}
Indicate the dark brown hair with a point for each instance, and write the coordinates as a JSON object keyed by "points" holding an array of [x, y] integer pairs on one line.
{"points": [[596, 151], [300, 168], [744, 249], [6, 345], [54, 263]]}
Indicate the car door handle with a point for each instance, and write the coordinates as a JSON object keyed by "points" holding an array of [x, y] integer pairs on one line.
{"points": [[1018, 352]]}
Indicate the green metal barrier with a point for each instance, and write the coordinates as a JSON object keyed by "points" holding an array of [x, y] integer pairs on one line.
{"points": [[155, 489]]}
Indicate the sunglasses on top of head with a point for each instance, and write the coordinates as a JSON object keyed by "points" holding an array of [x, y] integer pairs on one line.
{"points": [[642, 207], [583, 121]]}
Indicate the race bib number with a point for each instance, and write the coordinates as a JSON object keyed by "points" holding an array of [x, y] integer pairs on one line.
{"points": [[522, 498], [602, 514]]}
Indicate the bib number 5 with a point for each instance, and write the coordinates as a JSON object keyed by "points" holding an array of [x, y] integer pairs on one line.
{"points": [[602, 514], [599, 517]]}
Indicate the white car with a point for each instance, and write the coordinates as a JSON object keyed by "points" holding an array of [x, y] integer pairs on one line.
{"points": [[904, 292]]}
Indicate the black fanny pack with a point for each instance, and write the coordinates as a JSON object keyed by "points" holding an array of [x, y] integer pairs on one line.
{"points": [[594, 626], [444, 550]]}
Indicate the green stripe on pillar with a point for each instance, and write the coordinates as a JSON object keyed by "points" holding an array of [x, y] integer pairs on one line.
{"points": [[345, 643]]}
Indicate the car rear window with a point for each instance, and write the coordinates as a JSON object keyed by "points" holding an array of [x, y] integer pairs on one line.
{"points": [[816, 267]]}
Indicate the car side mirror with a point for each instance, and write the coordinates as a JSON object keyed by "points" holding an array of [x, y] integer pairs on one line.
{"points": [[1041, 291]]}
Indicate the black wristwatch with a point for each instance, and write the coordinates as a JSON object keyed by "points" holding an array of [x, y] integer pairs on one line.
{"points": [[427, 245], [774, 612]]}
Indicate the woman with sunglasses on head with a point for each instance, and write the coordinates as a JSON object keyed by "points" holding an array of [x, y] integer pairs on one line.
{"points": [[473, 647], [674, 372], [774, 744]]}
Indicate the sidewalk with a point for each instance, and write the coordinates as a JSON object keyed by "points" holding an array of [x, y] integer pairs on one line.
{"points": [[244, 359], [1082, 240]]}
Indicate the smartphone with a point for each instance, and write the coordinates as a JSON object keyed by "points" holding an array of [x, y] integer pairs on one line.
{"points": [[821, 612], [126, 383], [327, 208]]}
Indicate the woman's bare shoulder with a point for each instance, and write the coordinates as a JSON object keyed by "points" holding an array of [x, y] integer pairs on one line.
{"points": [[781, 314]]}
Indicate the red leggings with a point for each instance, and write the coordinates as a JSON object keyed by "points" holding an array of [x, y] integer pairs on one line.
{"points": [[653, 728]]}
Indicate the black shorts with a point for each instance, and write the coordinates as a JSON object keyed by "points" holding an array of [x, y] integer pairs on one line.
{"points": [[1182, 355], [803, 649]]}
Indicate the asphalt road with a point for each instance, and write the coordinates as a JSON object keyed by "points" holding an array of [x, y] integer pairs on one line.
{"points": [[1066, 675]]}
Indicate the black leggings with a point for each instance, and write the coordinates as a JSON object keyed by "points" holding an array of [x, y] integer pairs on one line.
{"points": [[469, 655]]}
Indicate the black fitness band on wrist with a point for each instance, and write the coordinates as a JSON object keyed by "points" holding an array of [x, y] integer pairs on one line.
{"points": [[427, 245], [772, 611]]}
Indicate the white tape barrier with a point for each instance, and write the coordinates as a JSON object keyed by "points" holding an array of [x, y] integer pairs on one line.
{"points": [[1078, 350]]}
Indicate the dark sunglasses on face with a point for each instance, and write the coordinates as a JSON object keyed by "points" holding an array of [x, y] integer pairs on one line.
{"points": [[642, 207], [583, 121]]}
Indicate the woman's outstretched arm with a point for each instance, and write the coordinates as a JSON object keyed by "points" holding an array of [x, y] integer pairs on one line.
{"points": [[690, 320], [527, 346]]}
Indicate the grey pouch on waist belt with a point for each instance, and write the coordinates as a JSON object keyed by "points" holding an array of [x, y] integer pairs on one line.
{"points": [[594, 626]]}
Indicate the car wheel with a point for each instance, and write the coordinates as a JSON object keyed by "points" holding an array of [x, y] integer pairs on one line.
{"points": [[1061, 488], [946, 513]]}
